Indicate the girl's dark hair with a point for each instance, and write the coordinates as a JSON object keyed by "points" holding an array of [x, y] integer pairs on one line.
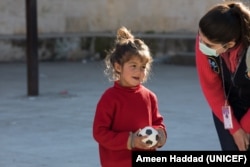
{"points": [[126, 47], [227, 22]]}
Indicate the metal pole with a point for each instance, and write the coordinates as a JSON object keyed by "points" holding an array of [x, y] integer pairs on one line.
{"points": [[31, 48]]}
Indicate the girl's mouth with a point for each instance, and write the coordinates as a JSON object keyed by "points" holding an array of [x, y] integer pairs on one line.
{"points": [[136, 78]]}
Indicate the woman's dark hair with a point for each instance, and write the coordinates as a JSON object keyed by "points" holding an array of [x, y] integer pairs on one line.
{"points": [[227, 22]]}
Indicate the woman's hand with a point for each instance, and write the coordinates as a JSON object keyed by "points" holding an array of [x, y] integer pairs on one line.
{"points": [[241, 139]]}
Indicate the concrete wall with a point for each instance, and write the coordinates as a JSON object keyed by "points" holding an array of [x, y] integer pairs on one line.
{"points": [[62, 16], [81, 16]]}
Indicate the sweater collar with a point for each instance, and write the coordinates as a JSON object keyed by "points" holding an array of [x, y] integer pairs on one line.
{"points": [[127, 89]]}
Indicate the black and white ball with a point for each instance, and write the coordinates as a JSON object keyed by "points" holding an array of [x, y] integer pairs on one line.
{"points": [[152, 134]]}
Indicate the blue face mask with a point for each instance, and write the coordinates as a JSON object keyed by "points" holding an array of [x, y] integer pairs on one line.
{"points": [[207, 51]]}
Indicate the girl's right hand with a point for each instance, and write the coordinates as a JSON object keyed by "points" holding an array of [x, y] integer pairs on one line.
{"points": [[137, 141]]}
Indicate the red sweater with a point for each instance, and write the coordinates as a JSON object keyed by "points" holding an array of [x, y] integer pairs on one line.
{"points": [[212, 86], [119, 111]]}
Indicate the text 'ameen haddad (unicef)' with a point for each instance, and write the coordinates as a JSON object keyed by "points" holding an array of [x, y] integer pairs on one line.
{"points": [[184, 158]]}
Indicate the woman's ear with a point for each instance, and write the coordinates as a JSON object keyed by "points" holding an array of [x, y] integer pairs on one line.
{"points": [[117, 67], [230, 45]]}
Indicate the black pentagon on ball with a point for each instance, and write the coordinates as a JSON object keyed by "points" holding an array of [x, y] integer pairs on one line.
{"points": [[157, 137], [149, 142], [149, 132]]}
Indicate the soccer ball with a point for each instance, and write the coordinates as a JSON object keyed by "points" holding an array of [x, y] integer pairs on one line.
{"points": [[152, 134]]}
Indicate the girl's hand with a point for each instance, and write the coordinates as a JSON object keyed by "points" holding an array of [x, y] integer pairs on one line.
{"points": [[135, 141], [138, 143], [162, 139]]}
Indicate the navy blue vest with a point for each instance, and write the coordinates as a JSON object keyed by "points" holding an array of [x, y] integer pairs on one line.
{"points": [[237, 85]]}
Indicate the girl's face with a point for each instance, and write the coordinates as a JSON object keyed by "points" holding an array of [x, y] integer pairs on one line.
{"points": [[132, 72]]}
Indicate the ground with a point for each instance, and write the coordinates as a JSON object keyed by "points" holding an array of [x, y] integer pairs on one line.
{"points": [[54, 129]]}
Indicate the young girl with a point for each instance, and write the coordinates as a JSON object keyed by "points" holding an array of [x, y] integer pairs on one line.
{"points": [[128, 106], [221, 59]]}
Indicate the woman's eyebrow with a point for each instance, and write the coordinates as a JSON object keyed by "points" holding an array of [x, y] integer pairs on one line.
{"points": [[207, 44]]}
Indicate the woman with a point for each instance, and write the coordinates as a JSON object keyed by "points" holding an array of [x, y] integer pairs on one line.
{"points": [[221, 46]]}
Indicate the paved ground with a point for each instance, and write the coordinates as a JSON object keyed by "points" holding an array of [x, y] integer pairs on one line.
{"points": [[54, 129]]}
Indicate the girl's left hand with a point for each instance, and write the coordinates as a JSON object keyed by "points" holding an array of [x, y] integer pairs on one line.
{"points": [[162, 139]]}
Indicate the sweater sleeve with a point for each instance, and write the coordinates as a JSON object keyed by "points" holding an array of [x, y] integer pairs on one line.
{"points": [[157, 118], [245, 122], [212, 86], [102, 131]]}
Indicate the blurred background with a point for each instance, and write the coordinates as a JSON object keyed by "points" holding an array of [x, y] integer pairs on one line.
{"points": [[83, 29]]}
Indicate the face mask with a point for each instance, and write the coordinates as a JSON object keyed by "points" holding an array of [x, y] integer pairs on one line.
{"points": [[207, 51]]}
